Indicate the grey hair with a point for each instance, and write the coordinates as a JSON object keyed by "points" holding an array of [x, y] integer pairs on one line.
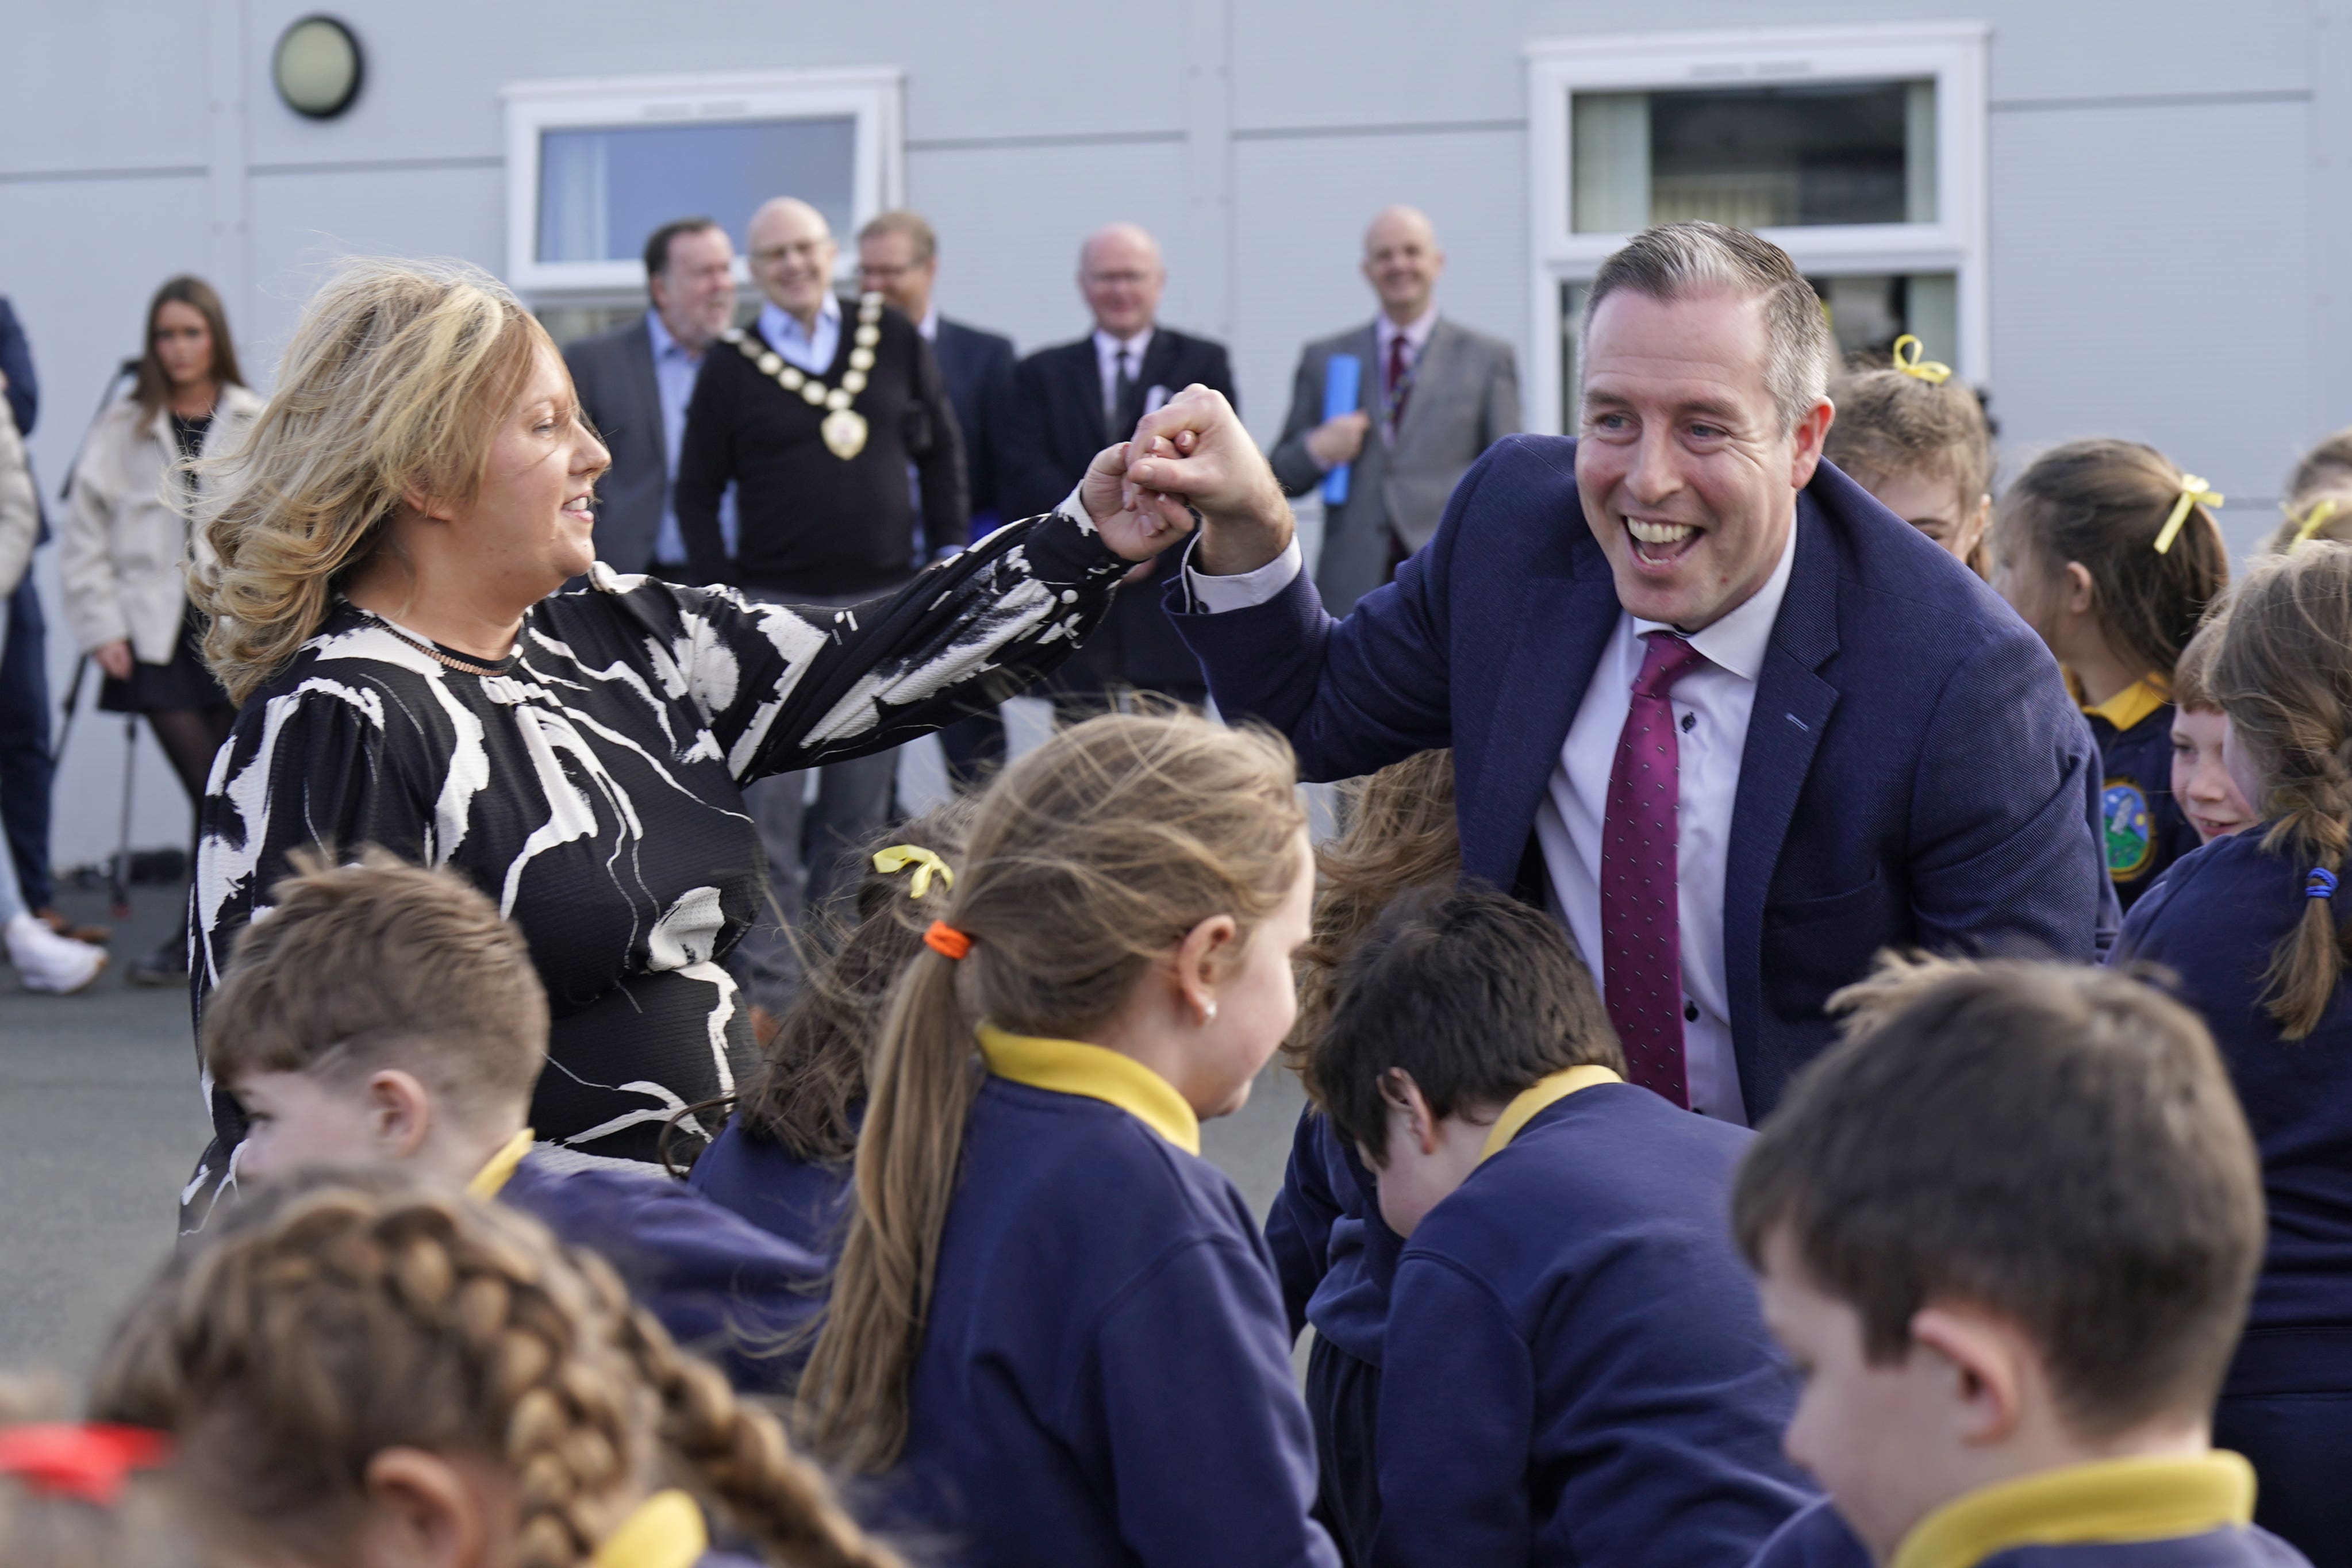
{"points": [[1675, 260]]}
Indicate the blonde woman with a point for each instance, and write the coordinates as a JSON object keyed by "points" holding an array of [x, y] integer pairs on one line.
{"points": [[384, 558], [125, 549]]}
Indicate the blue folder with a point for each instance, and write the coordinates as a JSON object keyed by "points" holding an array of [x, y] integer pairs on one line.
{"points": [[1343, 380]]}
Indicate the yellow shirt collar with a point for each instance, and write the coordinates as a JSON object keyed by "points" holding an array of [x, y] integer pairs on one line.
{"points": [[666, 1531], [491, 1179], [1071, 1066], [2133, 703], [2112, 1500], [1522, 1110]]}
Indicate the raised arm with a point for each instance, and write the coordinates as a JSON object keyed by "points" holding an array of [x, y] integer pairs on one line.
{"points": [[787, 688]]}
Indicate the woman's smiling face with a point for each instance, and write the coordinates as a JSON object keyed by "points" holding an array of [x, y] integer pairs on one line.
{"points": [[531, 525]]}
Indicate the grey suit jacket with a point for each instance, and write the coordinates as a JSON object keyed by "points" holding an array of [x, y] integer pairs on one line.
{"points": [[1465, 397], [615, 376]]}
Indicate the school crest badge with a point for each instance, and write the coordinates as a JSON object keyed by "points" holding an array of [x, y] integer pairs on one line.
{"points": [[2130, 829]]}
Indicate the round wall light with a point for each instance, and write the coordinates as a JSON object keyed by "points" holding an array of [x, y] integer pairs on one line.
{"points": [[317, 66]]}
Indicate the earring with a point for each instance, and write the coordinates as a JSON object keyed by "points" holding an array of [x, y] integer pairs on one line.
{"points": [[1209, 1014]]}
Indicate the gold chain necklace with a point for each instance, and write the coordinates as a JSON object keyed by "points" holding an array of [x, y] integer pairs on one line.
{"points": [[429, 652], [844, 428]]}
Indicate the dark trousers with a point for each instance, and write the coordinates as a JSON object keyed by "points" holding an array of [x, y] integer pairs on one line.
{"points": [[25, 771], [1343, 1404]]}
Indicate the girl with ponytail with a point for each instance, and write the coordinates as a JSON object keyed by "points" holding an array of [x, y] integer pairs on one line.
{"points": [[353, 1370], [1055, 1327], [2253, 924]]}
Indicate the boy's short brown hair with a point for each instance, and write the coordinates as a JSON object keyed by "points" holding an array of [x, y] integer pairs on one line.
{"points": [[1889, 423], [2054, 1144], [378, 964], [2192, 673], [1476, 995]]}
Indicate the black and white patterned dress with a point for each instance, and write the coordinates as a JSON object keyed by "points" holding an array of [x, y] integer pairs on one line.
{"points": [[592, 787]]}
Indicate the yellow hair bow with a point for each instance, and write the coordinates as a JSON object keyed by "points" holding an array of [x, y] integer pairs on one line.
{"points": [[2321, 511], [1934, 373], [2192, 490], [898, 856]]}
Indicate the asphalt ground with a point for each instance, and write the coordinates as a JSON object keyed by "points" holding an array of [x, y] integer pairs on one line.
{"points": [[101, 1124]]}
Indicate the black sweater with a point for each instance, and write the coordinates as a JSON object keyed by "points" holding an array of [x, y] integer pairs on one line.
{"points": [[810, 522]]}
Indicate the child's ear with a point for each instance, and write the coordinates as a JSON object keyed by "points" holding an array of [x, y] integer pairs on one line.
{"points": [[1990, 1366], [1403, 1097], [422, 1512], [2082, 593], [400, 1113], [1203, 959]]}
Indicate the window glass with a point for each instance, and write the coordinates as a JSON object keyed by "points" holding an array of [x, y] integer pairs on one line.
{"points": [[1769, 157], [602, 189]]}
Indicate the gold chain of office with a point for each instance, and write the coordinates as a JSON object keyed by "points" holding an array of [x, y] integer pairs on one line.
{"points": [[844, 427]]}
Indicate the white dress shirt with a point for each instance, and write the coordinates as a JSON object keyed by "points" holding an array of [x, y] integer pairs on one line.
{"points": [[811, 351], [1711, 705]]}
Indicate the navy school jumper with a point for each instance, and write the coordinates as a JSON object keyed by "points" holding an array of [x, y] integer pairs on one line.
{"points": [[722, 1287], [2181, 1529], [806, 1202], [2147, 830], [1914, 773], [2214, 919], [1575, 1369], [1103, 1378]]}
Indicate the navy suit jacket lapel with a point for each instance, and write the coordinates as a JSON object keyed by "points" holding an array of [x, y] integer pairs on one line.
{"points": [[646, 381], [1564, 623], [1792, 708]]}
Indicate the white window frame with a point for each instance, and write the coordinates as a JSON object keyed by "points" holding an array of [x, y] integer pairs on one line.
{"points": [[1953, 54], [873, 95]]}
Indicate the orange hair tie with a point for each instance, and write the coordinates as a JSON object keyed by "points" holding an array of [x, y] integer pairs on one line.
{"points": [[946, 940]]}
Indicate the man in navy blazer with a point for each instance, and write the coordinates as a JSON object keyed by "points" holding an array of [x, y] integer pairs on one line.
{"points": [[1866, 748]]}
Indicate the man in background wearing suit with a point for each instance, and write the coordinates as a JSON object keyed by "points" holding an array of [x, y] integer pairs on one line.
{"points": [[634, 384], [1071, 400], [1432, 395], [898, 259]]}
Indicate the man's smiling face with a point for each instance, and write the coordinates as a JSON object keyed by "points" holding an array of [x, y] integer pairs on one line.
{"points": [[1688, 481]]}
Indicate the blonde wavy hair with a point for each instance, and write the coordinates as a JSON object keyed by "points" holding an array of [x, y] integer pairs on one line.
{"points": [[394, 386]]}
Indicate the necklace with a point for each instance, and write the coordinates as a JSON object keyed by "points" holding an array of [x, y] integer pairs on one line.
{"points": [[429, 652], [844, 428]]}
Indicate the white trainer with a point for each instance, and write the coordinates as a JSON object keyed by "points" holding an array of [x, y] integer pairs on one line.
{"points": [[48, 961]]}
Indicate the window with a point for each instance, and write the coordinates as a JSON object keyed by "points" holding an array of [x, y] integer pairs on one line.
{"points": [[1860, 151], [593, 167]]}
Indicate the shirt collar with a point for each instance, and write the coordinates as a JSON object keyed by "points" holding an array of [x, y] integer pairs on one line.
{"points": [[1140, 345], [776, 322], [930, 325], [1546, 1092], [1072, 1067], [500, 1169], [1737, 639], [665, 1531], [2133, 703], [2114, 1501], [659, 331], [1415, 332]]}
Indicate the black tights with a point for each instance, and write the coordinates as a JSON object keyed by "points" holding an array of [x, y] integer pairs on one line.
{"points": [[190, 737]]}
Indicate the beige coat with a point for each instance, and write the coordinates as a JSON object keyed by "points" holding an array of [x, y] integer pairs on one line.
{"points": [[124, 554], [20, 509]]}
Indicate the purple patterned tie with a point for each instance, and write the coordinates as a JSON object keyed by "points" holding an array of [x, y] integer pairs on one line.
{"points": [[1640, 927]]}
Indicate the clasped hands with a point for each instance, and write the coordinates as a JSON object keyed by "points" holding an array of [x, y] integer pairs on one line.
{"points": [[1189, 460]]}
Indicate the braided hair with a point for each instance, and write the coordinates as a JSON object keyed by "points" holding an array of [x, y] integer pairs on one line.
{"points": [[338, 1315], [2284, 674]]}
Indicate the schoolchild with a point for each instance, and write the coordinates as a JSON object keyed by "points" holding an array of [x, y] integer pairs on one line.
{"points": [[2005, 1232], [2254, 927], [2318, 503], [358, 1369], [782, 1162], [1335, 1254], [384, 1012], [2109, 552], [1574, 1370], [2201, 782], [1055, 1335], [1915, 438]]}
